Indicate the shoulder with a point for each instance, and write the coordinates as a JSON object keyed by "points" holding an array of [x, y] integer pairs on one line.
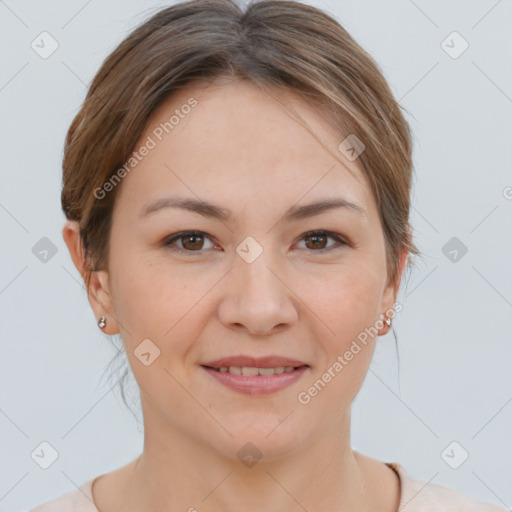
{"points": [[419, 496], [79, 500]]}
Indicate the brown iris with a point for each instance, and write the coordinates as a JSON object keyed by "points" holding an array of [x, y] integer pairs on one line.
{"points": [[319, 241], [196, 241]]}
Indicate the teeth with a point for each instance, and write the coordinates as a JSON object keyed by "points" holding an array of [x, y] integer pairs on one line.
{"points": [[250, 371], [266, 371], [246, 370]]}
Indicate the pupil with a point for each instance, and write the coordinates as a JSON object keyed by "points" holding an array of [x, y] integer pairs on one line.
{"points": [[316, 238], [191, 237]]}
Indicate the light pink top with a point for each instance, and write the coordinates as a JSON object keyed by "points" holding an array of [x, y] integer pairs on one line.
{"points": [[415, 496]]}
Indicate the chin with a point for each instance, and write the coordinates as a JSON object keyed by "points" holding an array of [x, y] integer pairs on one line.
{"points": [[269, 438]]}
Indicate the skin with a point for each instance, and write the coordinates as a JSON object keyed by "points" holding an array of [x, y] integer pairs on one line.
{"points": [[240, 148]]}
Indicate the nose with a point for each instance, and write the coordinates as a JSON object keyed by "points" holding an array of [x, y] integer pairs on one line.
{"points": [[257, 298]]}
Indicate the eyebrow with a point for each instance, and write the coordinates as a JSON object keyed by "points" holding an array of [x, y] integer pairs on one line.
{"points": [[217, 212]]}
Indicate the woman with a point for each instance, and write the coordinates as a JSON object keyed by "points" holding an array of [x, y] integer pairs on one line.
{"points": [[237, 189]]}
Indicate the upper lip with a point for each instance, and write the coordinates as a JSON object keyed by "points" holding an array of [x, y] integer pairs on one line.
{"points": [[254, 362]]}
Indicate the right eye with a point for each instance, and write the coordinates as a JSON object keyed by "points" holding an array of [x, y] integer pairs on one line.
{"points": [[191, 241]]}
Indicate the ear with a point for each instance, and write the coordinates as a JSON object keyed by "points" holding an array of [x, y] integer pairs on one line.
{"points": [[391, 290], [98, 291]]}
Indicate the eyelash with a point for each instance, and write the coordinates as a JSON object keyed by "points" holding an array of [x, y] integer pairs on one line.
{"points": [[177, 236]]}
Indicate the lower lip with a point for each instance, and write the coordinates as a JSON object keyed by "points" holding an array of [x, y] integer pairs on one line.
{"points": [[257, 384]]}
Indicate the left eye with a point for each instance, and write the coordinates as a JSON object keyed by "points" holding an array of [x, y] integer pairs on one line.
{"points": [[319, 239], [193, 241]]}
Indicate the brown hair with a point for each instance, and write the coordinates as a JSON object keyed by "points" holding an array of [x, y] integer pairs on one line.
{"points": [[282, 44]]}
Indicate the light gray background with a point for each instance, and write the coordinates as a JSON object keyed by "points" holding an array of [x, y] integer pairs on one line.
{"points": [[454, 381]]}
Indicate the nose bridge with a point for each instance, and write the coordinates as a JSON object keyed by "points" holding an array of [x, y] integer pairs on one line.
{"points": [[256, 298], [258, 282]]}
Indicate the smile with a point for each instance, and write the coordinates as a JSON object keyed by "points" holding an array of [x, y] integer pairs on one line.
{"points": [[248, 370], [255, 380]]}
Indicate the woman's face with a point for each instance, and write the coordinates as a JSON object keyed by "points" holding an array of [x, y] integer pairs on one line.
{"points": [[254, 282]]}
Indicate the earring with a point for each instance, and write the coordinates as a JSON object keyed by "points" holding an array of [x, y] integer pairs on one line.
{"points": [[388, 321], [102, 322]]}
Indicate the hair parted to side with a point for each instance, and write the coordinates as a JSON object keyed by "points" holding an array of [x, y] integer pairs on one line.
{"points": [[277, 44]]}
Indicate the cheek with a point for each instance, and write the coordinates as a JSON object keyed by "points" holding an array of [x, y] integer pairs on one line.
{"points": [[348, 305], [160, 303], [347, 301], [148, 297]]}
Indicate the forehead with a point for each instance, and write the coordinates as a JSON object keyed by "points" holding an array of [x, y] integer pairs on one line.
{"points": [[229, 139]]}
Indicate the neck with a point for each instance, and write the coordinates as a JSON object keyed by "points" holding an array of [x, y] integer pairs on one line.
{"points": [[175, 472]]}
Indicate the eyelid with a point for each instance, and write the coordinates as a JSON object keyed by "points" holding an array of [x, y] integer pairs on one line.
{"points": [[182, 234], [340, 240]]}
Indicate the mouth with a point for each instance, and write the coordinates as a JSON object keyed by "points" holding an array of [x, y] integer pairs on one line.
{"points": [[254, 380], [251, 371]]}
